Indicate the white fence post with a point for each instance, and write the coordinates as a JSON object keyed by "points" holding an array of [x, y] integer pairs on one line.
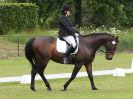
{"points": [[132, 65], [119, 72]]}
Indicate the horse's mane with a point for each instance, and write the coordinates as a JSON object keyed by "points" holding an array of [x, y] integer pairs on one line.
{"points": [[98, 34]]}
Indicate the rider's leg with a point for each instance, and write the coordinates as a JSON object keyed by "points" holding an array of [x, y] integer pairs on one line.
{"points": [[71, 41]]}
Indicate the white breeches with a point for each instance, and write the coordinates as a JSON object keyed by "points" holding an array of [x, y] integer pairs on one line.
{"points": [[70, 40]]}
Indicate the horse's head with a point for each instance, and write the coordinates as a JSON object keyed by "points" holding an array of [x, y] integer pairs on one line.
{"points": [[110, 47]]}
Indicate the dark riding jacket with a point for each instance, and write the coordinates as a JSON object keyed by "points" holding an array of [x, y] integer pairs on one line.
{"points": [[65, 26]]}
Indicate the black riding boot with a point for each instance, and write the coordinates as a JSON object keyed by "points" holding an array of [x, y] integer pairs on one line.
{"points": [[69, 50]]}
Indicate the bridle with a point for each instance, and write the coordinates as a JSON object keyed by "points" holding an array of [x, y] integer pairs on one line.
{"points": [[107, 52]]}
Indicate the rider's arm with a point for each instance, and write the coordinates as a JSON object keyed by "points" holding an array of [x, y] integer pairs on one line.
{"points": [[67, 26]]}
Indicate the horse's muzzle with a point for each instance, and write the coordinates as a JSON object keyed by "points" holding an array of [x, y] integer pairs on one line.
{"points": [[109, 58]]}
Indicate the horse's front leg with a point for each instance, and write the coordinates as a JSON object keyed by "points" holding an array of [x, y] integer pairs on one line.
{"points": [[90, 75], [74, 73]]}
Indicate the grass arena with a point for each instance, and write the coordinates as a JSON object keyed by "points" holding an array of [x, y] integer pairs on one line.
{"points": [[109, 86]]}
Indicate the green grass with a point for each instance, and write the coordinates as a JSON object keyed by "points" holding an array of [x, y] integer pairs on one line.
{"points": [[24, 36], [109, 88], [20, 66]]}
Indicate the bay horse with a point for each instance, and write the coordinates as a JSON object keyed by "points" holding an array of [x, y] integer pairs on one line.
{"points": [[40, 50]]}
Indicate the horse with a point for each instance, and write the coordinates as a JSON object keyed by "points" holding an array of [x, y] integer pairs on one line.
{"points": [[39, 50]]}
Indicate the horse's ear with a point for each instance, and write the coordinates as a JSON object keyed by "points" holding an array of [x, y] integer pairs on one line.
{"points": [[117, 39]]}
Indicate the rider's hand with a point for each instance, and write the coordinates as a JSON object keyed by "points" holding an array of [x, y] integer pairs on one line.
{"points": [[76, 34]]}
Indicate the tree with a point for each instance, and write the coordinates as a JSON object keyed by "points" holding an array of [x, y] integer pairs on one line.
{"points": [[78, 18]]}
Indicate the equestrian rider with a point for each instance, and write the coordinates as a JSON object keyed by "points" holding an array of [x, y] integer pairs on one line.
{"points": [[67, 31]]}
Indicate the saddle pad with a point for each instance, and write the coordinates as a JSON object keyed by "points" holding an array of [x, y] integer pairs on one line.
{"points": [[62, 46]]}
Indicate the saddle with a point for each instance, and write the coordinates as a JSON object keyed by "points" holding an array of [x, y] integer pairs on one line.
{"points": [[62, 45]]}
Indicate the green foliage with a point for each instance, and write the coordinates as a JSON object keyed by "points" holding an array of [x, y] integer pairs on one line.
{"points": [[52, 20], [49, 11], [17, 17], [129, 13], [111, 13]]}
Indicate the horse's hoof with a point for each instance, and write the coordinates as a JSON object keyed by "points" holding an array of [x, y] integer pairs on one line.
{"points": [[64, 90], [94, 88], [49, 89], [33, 89]]}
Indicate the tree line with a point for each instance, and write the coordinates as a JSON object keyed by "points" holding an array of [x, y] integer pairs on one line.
{"points": [[110, 13]]}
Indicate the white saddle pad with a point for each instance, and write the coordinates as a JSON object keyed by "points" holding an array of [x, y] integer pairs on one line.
{"points": [[62, 46]]}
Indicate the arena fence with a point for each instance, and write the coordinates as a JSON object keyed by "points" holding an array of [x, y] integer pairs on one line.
{"points": [[13, 45]]}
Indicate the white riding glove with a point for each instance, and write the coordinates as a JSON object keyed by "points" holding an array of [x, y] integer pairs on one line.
{"points": [[76, 34]]}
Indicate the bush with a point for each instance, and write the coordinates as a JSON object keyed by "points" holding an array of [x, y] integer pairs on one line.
{"points": [[17, 17], [111, 13]]}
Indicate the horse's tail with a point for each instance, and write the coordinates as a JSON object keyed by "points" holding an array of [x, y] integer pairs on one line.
{"points": [[29, 54]]}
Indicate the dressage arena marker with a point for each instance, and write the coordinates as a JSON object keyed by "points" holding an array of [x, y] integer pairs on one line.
{"points": [[25, 79]]}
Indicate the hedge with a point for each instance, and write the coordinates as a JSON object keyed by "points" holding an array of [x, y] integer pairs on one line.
{"points": [[17, 17]]}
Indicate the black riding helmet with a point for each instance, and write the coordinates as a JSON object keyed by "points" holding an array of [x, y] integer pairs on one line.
{"points": [[65, 7]]}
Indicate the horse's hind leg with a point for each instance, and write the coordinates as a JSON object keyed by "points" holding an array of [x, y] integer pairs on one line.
{"points": [[41, 73], [45, 81], [39, 70], [33, 74], [74, 73]]}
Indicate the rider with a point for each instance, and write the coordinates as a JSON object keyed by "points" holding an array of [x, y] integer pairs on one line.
{"points": [[67, 31]]}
